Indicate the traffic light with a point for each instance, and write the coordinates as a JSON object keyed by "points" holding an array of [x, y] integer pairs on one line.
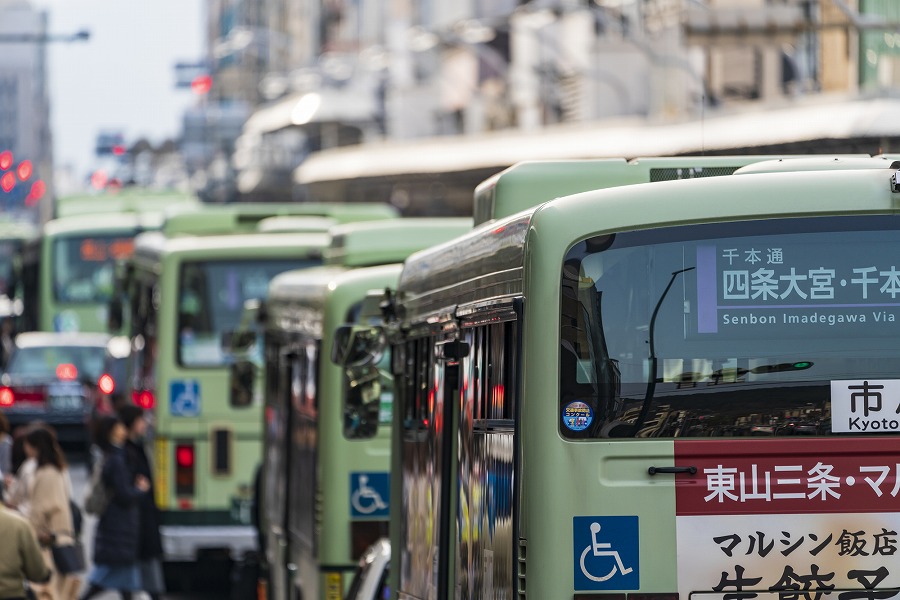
{"points": [[201, 84]]}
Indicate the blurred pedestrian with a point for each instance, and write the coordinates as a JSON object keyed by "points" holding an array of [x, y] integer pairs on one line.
{"points": [[150, 545], [118, 534], [20, 556], [50, 513]]}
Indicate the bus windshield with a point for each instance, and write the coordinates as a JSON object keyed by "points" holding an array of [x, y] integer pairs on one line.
{"points": [[736, 329], [83, 267], [211, 301]]}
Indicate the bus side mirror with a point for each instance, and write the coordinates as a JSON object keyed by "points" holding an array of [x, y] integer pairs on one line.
{"points": [[237, 341], [114, 318], [357, 346], [242, 378]]}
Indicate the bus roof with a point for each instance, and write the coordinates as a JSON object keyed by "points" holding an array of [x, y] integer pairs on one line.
{"points": [[381, 242], [297, 299], [489, 262], [297, 224], [18, 230], [106, 223], [245, 217], [126, 200], [818, 163], [530, 183], [153, 246]]}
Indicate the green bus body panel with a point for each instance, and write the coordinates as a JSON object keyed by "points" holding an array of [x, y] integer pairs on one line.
{"points": [[245, 217], [563, 479], [89, 316], [382, 242], [530, 183]]}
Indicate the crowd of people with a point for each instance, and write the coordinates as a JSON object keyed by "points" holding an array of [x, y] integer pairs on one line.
{"points": [[39, 515]]}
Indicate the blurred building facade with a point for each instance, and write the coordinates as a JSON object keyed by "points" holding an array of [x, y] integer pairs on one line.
{"points": [[316, 74], [24, 111]]}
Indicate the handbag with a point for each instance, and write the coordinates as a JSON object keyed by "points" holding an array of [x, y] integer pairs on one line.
{"points": [[97, 497], [68, 557]]}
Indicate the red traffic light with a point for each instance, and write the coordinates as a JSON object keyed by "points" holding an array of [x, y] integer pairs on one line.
{"points": [[8, 181], [201, 84], [118, 150], [24, 170], [38, 189], [6, 159]]}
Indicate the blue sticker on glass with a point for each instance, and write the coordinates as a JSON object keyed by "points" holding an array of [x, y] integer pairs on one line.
{"points": [[606, 553], [370, 494], [184, 396], [577, 416]]}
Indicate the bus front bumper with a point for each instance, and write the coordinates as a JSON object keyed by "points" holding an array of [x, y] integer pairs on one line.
{"points": [[185, 543]]}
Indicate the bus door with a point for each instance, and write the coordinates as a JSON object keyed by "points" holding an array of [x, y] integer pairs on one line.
{"points": [[274, 487], [484, 529], [430, 376], [303, 477]]}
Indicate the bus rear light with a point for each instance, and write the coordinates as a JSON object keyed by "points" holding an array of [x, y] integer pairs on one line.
{"points": [[7, 397], [185, 477], [106, 384], [144, 398]]}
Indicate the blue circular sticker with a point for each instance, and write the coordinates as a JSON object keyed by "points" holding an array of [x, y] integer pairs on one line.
{"points": [[577, 416]]}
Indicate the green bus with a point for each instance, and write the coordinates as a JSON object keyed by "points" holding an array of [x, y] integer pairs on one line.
{"points": [[657, 391], [69, 269], [324, 482], [186, 296]]}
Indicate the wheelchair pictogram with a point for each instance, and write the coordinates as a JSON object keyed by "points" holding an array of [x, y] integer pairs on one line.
{"points": [[185, 398], [369, 499], [605, 552], [602, 549]]}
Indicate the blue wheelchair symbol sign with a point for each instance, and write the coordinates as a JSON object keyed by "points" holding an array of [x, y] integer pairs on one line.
{"points": [[606, 553], [370, 494], [184, 398]]}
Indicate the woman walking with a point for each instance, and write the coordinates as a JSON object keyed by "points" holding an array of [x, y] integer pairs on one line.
{"points": [[150, 546], [20, 555], [50, 512], [118, 529]]}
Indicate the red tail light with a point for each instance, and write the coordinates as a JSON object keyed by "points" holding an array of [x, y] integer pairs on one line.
{"points": [[66, 372], [29, 394], [184, 469], [7, 397], [144, 398], [106, 383]]}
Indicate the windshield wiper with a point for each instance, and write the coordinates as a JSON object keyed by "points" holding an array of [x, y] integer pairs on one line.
{"points": [[651, 377]]}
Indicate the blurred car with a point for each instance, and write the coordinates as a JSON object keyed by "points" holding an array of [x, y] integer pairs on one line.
{"points": [[54, 378]]}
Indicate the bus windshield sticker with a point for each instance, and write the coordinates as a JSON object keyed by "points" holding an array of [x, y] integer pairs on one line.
{"points": [[577, 416], [867, 406], [825, 286], [777, 513], [185, 398], [606, 555]]}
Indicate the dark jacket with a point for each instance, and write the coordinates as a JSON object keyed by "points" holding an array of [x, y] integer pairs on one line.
{"points": [[118, 532], [138, 463]]}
